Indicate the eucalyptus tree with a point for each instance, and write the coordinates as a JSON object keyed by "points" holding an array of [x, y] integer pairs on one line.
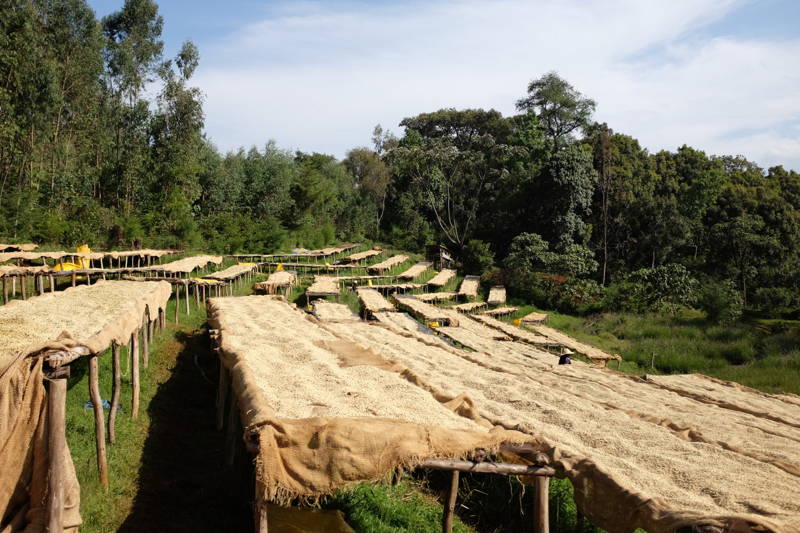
{"points": [[133, 53]]}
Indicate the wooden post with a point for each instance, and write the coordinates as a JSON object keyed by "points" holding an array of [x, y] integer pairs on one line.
{"points": [[260, 514], [99, 423], [74, 278], [24, 285], [115, 391], [450, 504], [162, 319], [40, 283], [52, 283], [5, 290], [177, 303], [135, 374], [541, 514], [145, 346], [222, 395], [56, 449], [186, 292]]}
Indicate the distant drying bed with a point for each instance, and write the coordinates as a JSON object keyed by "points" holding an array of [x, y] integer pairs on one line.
{"points": [[388, 263], [658, 453], [187, 264], [232, 272]]}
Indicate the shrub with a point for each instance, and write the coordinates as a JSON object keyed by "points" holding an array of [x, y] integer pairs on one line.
{"points": [[774, 301], [476, 257], [721, 301], [664, 287]]}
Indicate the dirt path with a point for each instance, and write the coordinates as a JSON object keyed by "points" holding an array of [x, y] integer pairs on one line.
{"points": [[183, 485]]}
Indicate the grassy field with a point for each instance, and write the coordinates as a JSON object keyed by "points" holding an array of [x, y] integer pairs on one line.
{"points": [[763, 354]]}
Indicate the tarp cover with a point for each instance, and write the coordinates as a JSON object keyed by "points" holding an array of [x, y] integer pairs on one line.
{"points": [[337, 414]]}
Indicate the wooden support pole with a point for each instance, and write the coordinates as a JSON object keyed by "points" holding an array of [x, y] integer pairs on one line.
{"points": [[541, 510], [74, 278], [162, 319], [145, 346], [24, 285], [135, 374], [40, 284], [177, 304], [450, 504], [507, 469], [5, 290], [222, 395], [99, 423], [56, 450], [260, 515], [52, 283], [116, 385], [186, 292]]}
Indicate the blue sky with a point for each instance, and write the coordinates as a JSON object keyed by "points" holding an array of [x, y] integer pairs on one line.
{"points": [[720, 75]]}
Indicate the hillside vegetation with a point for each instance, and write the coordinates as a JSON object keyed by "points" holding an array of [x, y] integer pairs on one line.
{"points": [[569, 214]]}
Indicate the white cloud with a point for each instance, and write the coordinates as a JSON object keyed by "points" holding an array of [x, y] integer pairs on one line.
{"points": [[319, 76]]}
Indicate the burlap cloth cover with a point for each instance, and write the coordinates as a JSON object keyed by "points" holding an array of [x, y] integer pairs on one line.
{"points": [[24, 454], [310, 457]]}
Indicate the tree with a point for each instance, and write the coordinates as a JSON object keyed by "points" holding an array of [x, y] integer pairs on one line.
{"points": [[569, 188], [560, 108], [372, 176], [133, 53], [450, 161]]}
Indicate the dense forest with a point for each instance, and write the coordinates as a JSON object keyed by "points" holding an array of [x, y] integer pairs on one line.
{"points": [[566, 211]]}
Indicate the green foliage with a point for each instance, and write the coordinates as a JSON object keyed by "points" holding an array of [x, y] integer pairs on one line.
{"points": [[662, 288], [721, 301], [558, 105], [88, 155], [382, 508], [476, 257], [549, 278]]}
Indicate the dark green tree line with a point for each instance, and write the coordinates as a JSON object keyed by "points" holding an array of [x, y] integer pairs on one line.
{"points": [[101, 141]]}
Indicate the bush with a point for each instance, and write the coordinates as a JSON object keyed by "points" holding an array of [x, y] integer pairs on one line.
{"points": [[721, 301], [665, 287], [774, 301], [492, 276], [476, 257]]}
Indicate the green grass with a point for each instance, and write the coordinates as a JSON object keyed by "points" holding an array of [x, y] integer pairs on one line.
{"points": [[761, 354], [384, 508], [107, 510]]}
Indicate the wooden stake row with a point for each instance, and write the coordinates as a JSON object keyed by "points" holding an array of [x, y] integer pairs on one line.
{"points": [[56, 405]]}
